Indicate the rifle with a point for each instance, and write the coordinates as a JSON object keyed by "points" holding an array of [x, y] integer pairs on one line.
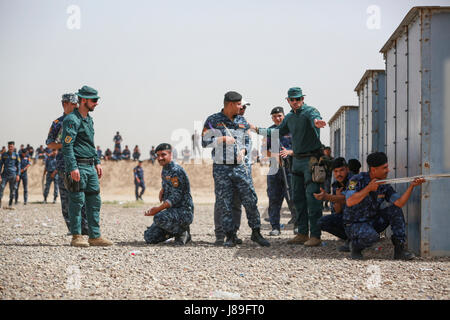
{"points": [[410, 179], [291, 205]]}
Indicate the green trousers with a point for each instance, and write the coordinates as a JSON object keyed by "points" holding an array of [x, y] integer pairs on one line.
{"points": [[309, 209], [90, 194]]}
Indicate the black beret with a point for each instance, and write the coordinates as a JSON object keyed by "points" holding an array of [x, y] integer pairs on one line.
{"points": [[277, 110], [376, 159], [10, 142], [354, 164], [338, 163], [163, 146], [232, 96]]}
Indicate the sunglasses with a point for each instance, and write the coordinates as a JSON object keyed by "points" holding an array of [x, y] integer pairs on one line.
{"points": [[94, 100], [295, 99], [244, 106]]}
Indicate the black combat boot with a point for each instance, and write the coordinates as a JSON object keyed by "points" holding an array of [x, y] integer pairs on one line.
{"points": [[258, 238], [356, 253], [230, 240], [345, 247], [400, 253], [183, 238]]}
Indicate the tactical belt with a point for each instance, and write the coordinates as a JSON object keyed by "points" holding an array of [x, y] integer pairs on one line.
{"points": [[89, 161]]}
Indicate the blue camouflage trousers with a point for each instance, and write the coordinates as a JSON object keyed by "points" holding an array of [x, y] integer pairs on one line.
{"points": [[24, 179], [228, 180], [334, 224], [167, 224], [48, 182], [276, 191], [136, 190], [365, 234], [12, 187], [64, 195]]}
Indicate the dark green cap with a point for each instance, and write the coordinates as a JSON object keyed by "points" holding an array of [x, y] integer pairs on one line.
{"points": [[232, 96], [295, 92], [87, 93]]}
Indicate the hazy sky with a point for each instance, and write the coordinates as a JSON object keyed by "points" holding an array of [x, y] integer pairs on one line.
{"points": [[163, 66]]}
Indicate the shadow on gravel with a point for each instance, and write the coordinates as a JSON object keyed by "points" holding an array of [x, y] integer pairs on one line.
{"points": [[280, 249], [33, 245]]}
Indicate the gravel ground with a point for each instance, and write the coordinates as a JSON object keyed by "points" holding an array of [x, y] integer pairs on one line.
{"points": [[37, 262]]}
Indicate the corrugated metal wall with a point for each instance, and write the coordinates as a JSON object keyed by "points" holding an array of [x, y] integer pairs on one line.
{"points": [[372, 125], [415, 57], [344, 133]]}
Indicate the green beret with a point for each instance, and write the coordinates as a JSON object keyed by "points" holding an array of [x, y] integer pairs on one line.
{"points": [[232, 96]]}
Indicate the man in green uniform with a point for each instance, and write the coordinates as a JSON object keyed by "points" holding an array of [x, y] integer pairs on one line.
{"points": [[303, 123], [83, 164]]}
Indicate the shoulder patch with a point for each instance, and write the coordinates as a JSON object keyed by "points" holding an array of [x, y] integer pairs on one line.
{"points": [[175, 182], [68, 139], [56, 121], [352, 185]]}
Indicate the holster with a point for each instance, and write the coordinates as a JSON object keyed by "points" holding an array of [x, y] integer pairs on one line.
{"points": [[70, 184]]}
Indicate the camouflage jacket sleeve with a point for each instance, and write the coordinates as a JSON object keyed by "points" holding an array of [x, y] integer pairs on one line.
{"points": [[210, 134], [55, 130], [175, 189], [18, 165], [69, 135]]}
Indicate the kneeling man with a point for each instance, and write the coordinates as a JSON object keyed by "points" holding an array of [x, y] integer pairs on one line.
{"points": [[371, 207], [173, 217]]}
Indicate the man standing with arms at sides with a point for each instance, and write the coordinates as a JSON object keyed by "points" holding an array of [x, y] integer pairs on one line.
{"points": [[117, 141], [69, 103], [174, 216], [80, 158], [10, 164], [303, 123], [139, 180], [24, 165], [50, 175], [225, 133]]}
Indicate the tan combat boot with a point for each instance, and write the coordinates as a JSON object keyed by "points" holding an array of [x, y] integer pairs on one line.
{"points": [[100, 242], [299, 239], [78, 241], [313, 242]]}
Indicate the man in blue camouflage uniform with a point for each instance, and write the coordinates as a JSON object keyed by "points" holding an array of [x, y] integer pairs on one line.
{"points": [[10, 164], [117, 140], [69, 103], [276, 186], [126, 154], [303, 122], [236, 210], [24, 165], [225, 133], [50, 174], [371, 207], [333, 223], [174, 216], [139, 180]]}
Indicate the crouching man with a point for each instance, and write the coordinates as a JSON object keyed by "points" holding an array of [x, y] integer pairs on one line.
{"points": [[333, 222], [371, 207], [173, 217]]}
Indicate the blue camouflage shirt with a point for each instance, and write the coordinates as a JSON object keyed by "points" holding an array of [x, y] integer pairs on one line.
{"points": [[218, 125], [369, 206], [177, 191], [50, 164], [54, 135], [138, 173], [10, 164], [24, 162]]}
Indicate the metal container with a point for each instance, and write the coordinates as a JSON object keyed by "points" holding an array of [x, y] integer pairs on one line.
{"points": [[415, 56], [344, 133], [372, 118]]}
